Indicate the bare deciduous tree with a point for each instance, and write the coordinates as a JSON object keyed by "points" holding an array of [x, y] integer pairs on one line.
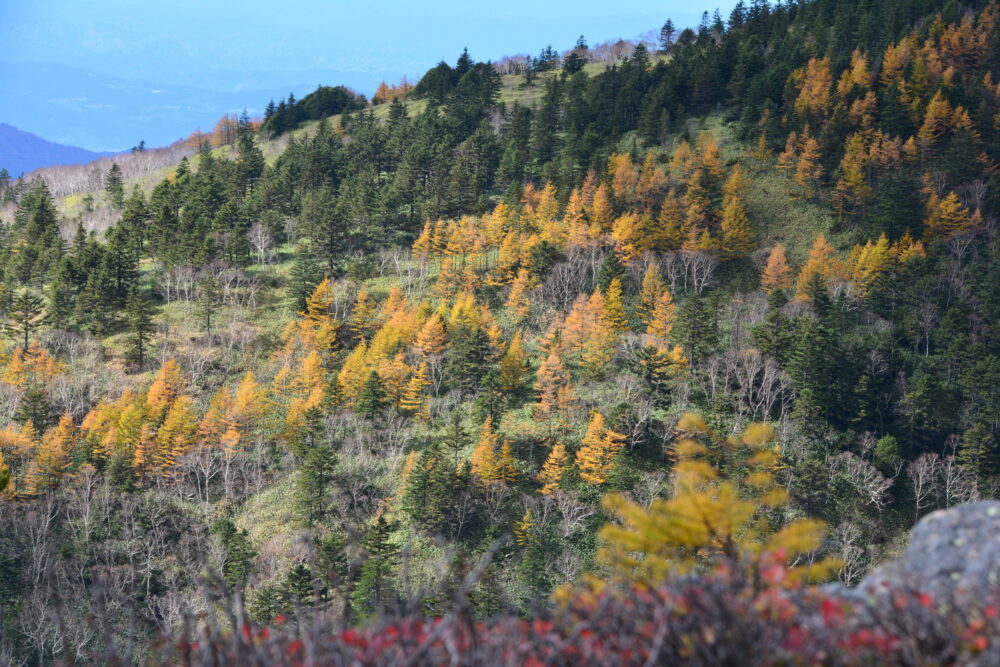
{"points": [[262, 241]]}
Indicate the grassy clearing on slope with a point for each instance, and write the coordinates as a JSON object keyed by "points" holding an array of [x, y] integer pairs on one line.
{"points": [[272, 523], [776, 216]]}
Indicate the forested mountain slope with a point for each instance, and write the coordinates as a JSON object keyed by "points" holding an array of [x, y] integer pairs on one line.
{"points": [[373, 359]]}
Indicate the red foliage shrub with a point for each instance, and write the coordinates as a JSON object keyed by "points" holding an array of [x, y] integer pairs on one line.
{"points": [[727, 618]]}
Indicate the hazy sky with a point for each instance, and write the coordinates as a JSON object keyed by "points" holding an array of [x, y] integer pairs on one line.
{"points": [[249, 45]]}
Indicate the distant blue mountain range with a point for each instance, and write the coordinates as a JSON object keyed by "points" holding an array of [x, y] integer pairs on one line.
{"points": [[102, 112], [21, 152]]}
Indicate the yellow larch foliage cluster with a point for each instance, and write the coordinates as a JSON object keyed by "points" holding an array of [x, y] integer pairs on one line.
{"points": [[599, 450], [555, 466], [554, 389], [777, 274], [34, 365], [710, 516], [823, 262], [875, 258], [492, 460], [632, 207], [946, 217]]}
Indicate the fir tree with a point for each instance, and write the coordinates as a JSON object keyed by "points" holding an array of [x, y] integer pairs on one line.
{"points": [[138, 319], [35, 408], [25, 315], [114, 186], [372, 400], [374, 589], [315, 483], [237, 564], [208, 302], [306, 273], [610, 269]]}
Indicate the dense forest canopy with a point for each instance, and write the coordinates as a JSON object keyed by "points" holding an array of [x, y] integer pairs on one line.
{"points": [[361, 351]]}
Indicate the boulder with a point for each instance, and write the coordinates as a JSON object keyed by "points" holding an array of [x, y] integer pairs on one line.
{"points": [[955, 551]]}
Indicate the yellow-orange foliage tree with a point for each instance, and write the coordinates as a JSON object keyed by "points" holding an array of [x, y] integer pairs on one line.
{"points": [[52, 459], [598, 452], [555, 466], [712, 516], [822, 261], [946, 217], [776, 274]]}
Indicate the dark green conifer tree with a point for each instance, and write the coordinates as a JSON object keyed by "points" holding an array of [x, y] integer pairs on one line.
{"points": [[25, 315], [314, 484], [372, 401], [114, 185], [237, 564], [208, 302], [138, 319], [35, 407], [374, 591]]}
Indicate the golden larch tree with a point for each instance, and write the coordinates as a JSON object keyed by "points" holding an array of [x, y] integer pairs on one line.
{"points": [[623, 177], [355, 371], [613, 312], [867, 262], [363, 315], [599, 450], [524, 529], [52, 458], [652, 288], [946, 217], [547, 208], [822, 261], [777, 274], [167, 386], [432, 339], [661, 321], [816, 80], [601, 212], [630, 236], [506, 464], [424, 245], [414, 399], [669, 232], [514, 368], [518, 302], [175, 437], [555, 466], [485, 461], [788, 158], [737, 237], [711, 517], [318, 328], [552, 383], [808, 169]]}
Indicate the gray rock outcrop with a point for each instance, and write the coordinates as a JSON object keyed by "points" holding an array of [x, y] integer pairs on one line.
{"points": [[955, 551]]}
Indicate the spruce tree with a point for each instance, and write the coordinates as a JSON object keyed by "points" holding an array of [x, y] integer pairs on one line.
{"points": [[237, 563], [373, 591], [60, 296], [35, 407], [697, 327], [138, 319], [305, 275], [297, 590], [455, 436], [315, 482], [611, 268], [114, 185], [372, 400], [25, 316], [207, 303], [667, 36], [470, 358]]}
